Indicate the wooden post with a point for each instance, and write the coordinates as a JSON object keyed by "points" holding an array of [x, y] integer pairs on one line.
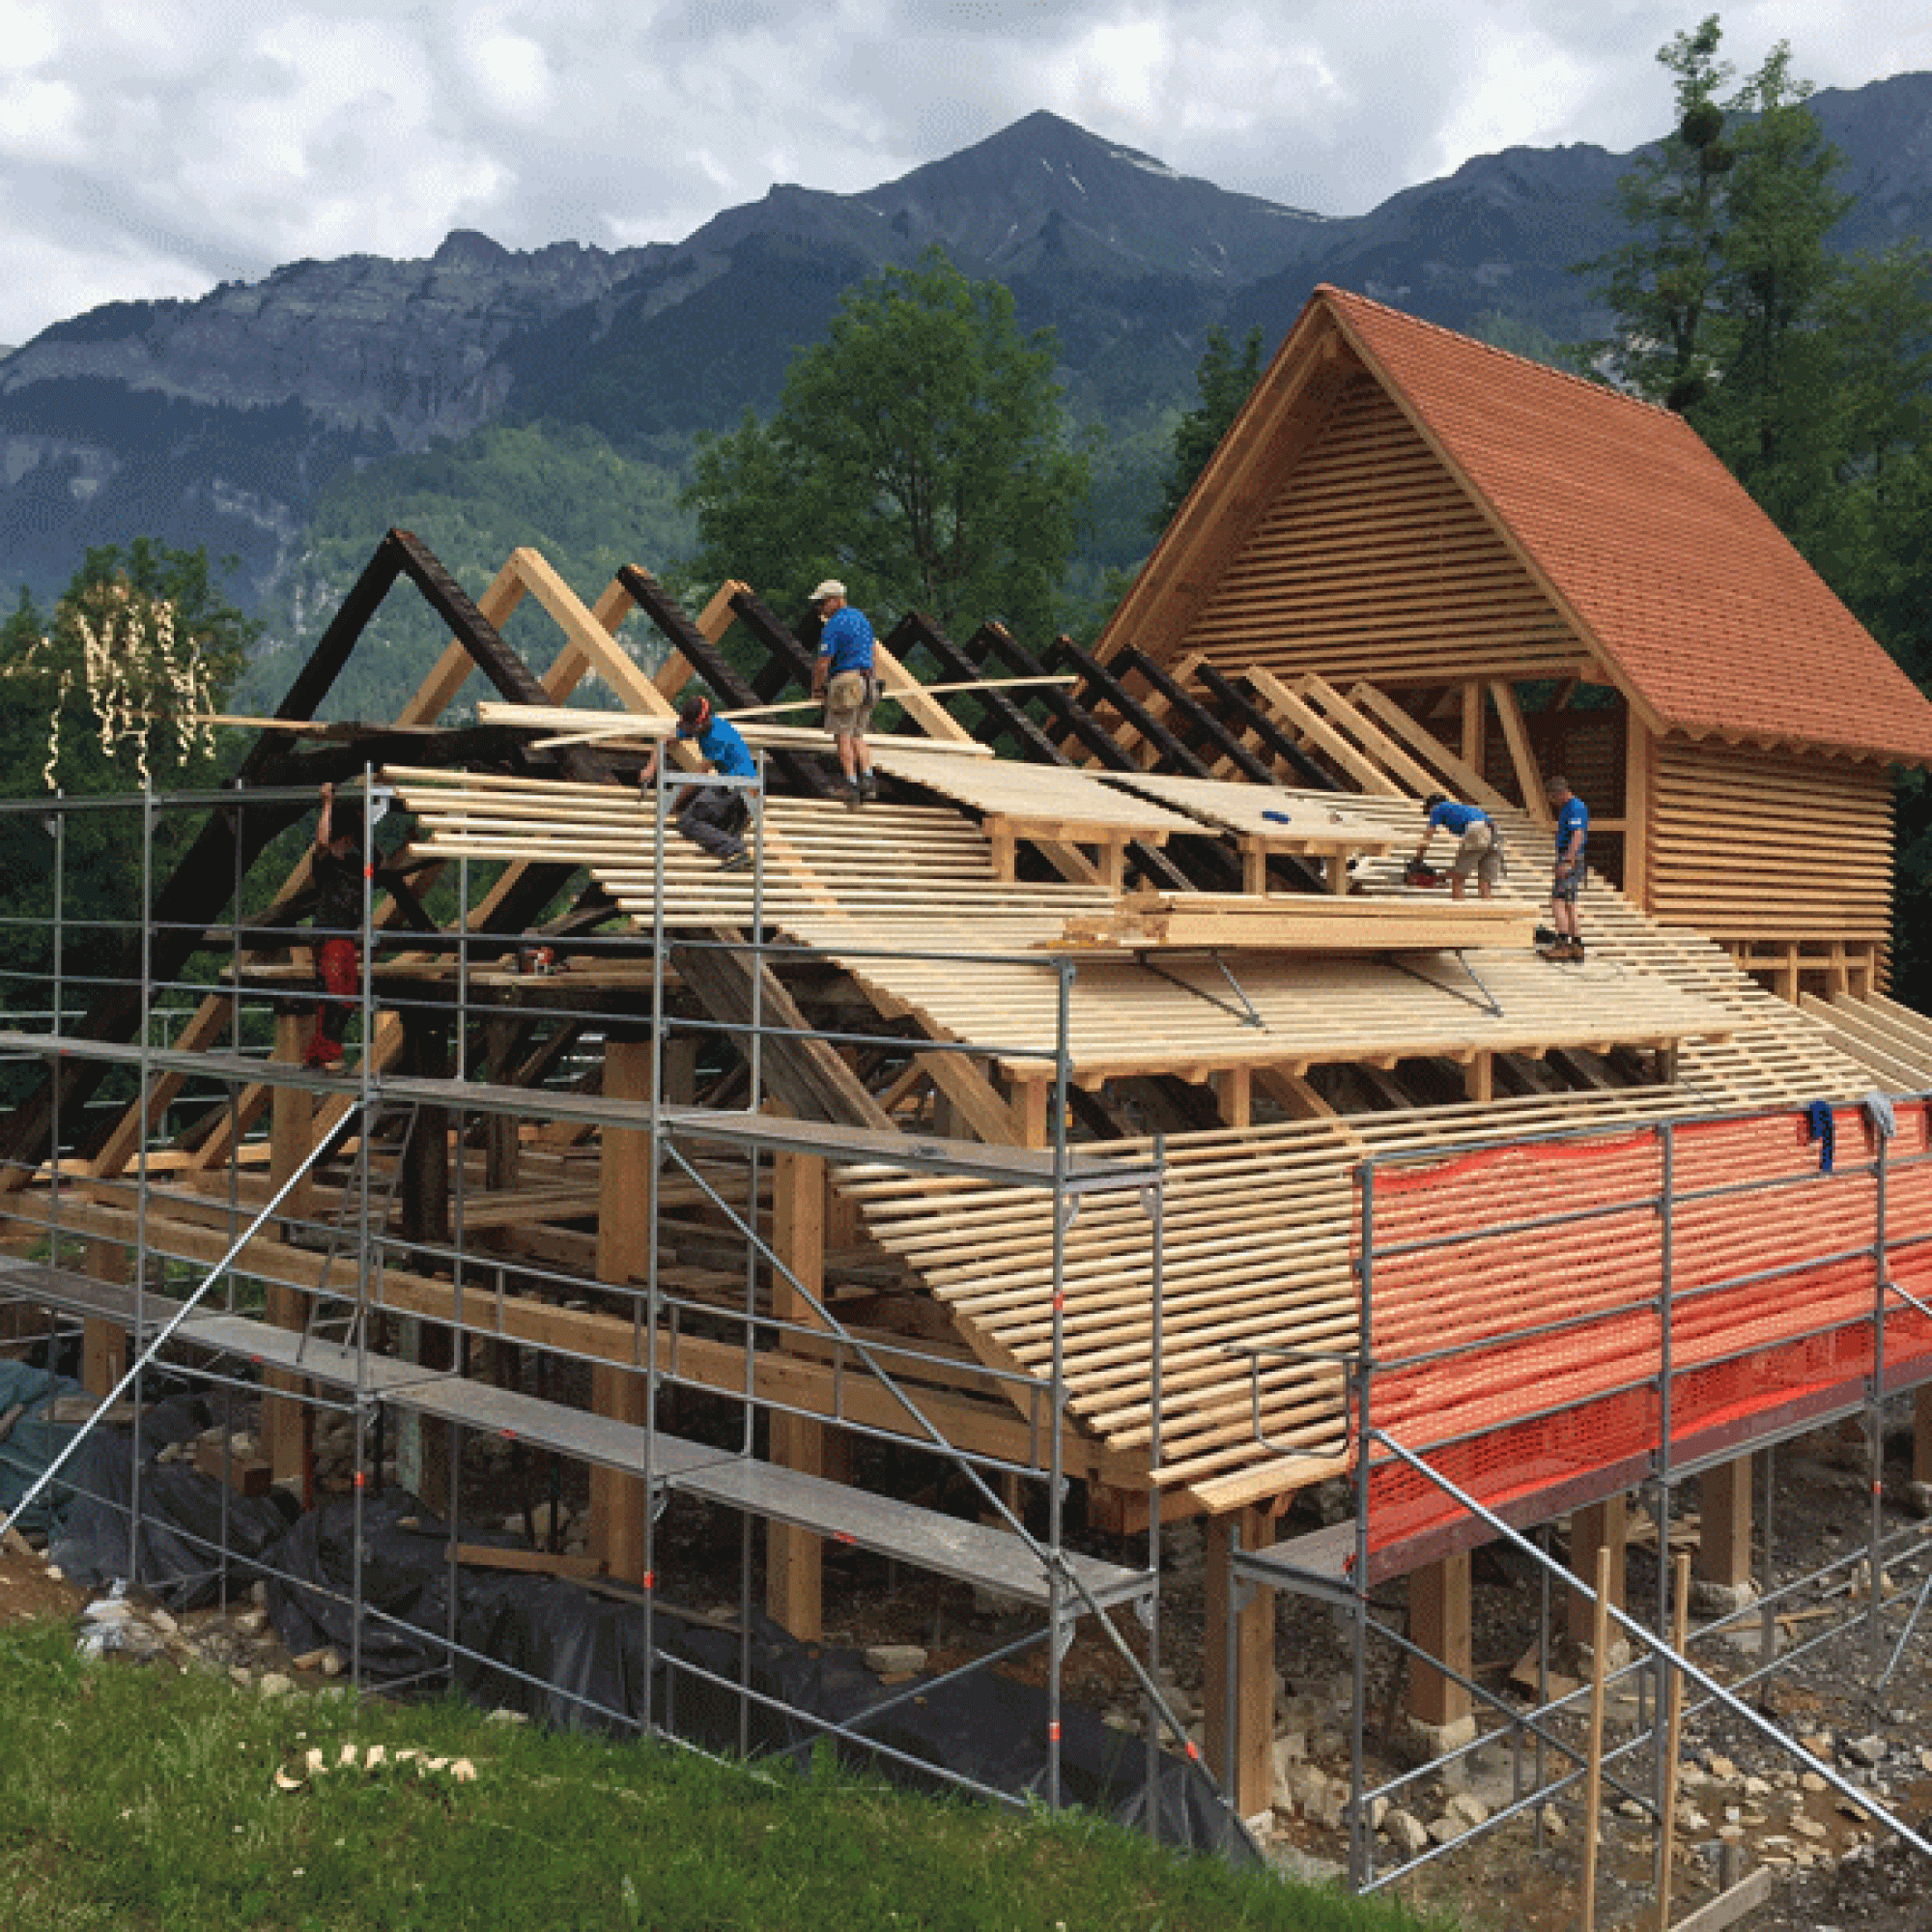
{"points": [[286, 1425], [1725, 1524], [1242, 1761], [424, 1446], [794, 1565], [1476, 720], [1922, 1434], [618, 1503], [1479, 1077], [1032, 1108], [103, 1346], [1603, 1526], [1234, 1093], [1439, 1624]]}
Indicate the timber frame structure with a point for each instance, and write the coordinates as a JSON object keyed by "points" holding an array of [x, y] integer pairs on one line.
{"points": [[1047, 1115]]}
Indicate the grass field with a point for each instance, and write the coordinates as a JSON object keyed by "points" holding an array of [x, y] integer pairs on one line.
{"points": [[137, 1797]]}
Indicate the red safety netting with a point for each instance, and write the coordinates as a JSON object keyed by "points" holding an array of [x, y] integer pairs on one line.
{"points": [[1543, 1314]]}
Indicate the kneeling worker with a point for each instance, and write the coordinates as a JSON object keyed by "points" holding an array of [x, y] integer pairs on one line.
{"points": [[711, 816], [1477, 851]]}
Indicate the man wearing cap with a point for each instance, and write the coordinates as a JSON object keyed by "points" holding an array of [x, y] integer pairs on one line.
{"points": [[843, 678], [1476, 848], [711, 816]]}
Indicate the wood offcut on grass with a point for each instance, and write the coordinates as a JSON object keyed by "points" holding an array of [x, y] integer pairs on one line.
{"points": [[135, 1796]]}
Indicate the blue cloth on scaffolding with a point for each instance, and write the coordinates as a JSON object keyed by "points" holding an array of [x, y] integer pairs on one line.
{"points": [[1822, 1130]]}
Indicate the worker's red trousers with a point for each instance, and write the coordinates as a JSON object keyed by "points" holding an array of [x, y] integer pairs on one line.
{"points": [[339, 964]]}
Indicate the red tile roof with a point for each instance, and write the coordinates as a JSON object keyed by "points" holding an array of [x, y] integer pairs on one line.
{"points": [[1689, 591]]}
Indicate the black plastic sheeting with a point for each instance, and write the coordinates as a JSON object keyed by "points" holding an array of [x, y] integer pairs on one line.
{"points": [[184, 1520], [576, 1659], [33, 1440]]}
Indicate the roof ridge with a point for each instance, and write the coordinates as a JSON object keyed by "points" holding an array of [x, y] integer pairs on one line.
{"points": [[1595, 388]]}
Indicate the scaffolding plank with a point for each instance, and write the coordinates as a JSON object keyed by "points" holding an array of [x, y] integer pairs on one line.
{"points": [[970, 1551], [71, 1293]]}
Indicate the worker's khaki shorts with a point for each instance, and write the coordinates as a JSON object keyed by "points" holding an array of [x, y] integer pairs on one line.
{"points": [[848, 703], [1478, 854]]}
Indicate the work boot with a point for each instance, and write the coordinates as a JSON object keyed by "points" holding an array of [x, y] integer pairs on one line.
{"points": [[738, 862], [869, 785], [855, 795]]}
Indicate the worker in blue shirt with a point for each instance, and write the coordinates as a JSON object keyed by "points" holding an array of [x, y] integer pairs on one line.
{"points": [[1477, 849], [1573, 834], [711, 816], [842, 677]]}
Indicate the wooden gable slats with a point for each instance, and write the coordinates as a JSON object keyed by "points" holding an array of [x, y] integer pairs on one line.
{"points": [[1371, 561], [1750, 844]]}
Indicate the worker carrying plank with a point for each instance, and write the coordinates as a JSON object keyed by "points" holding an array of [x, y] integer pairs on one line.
{"points": [[1478, 849], [711, 816], [841, 675]]}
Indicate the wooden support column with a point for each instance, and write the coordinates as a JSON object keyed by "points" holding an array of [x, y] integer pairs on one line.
{"points": [[1601, 1525], [1922, 1434], [1479, 1077], [1725, 1525], [1032, 1110], [794, 1558], [1475, 722], [1640, 772], [618, 1503], [103, 1347], [1439, 1624], [287, 1426], [424, 1446], [1234, 1093], [1243, 1761]]}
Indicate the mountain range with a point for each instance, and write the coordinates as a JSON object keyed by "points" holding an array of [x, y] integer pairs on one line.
{"points": [[236, 420]]}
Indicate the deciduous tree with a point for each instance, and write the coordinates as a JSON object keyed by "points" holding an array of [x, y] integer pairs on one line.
{"points": [[917, 452]]}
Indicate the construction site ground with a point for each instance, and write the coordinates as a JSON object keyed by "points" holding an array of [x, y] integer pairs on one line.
{"points": [[1830, 1866]]}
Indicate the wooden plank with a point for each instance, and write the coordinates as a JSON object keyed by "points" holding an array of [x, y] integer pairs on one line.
{"points": [[1313, 726], [1516, 734], [1459, 779]]}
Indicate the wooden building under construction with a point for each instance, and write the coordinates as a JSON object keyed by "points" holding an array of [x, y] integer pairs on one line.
{"points": [[1039, 1108]]}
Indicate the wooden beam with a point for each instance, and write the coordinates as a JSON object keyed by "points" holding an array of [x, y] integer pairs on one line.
{"points": [[1724, 1524], [1440, 1626], [1242, 1758], [1639, 806], [973, 1099], [625, 1191], [1310, 725], [1474, 740], [1516, 734], [794, 1558], [1461, 780], [1602, 1526]]}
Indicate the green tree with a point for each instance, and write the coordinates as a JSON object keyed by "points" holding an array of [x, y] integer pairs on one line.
{"points": [[1660, 284], [1223, 382], [919, 451], [1771, 413]]}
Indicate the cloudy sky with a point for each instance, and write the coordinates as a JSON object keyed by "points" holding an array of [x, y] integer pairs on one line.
{"points": [[156, 147]]}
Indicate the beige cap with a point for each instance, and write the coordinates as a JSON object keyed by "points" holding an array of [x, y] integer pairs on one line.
{"points": [[831, 587]]}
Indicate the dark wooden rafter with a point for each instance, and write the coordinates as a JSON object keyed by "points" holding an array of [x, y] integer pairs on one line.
{"points": [[235, 836], [1193, 715], [787, 660], [1237, 703], [1096, 677], [733, 691], [1003, 718], [1071, 718]]}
